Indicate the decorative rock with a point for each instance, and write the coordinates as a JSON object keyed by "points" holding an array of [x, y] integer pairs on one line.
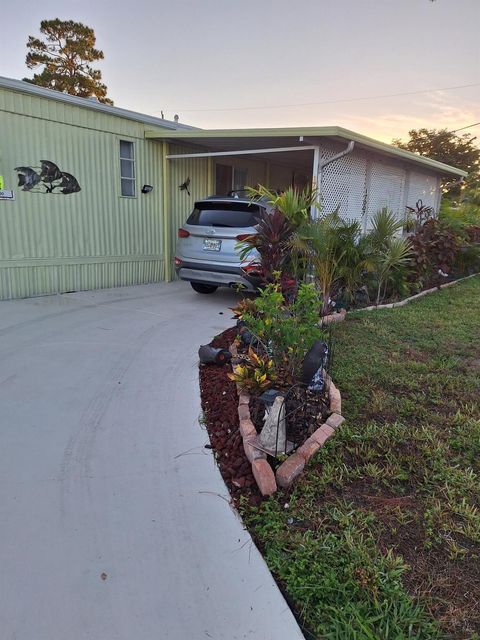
{"points": [[336, 405], [289, 470], [252, 452], [244, 398], [243, 412], [322, 434], [247, 428], [308, 448], [264, 477], [273, 436], [334, 317], [335, 420], [335, 399]]}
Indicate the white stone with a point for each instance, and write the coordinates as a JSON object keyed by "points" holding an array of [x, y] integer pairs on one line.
{"points": [[273, 436]]}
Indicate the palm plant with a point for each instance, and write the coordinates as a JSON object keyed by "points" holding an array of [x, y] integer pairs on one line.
{"points": [[388, 250], [356, 262], [293, 203], [385, 226], [322, 241]]}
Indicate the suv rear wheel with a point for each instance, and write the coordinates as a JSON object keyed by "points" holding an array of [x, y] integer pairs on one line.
{"points": [[203, 288]]}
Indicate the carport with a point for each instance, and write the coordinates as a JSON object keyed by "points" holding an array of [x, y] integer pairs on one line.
{"points": [[353, 173]]}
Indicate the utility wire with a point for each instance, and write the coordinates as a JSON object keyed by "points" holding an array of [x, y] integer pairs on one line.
{"points": [[311, 104], [475, 124]]}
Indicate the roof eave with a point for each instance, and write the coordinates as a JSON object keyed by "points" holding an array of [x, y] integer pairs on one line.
{"points": [[325, 132], [85, 103]]}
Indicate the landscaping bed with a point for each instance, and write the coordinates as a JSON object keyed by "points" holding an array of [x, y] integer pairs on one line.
{"points": [[220, 411], [381, 536]]}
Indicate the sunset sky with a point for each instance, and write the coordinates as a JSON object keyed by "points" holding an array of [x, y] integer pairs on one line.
{"points": [[251, 63]]}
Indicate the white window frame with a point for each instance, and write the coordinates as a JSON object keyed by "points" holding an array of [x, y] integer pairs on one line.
{"points": [[133, 161]]}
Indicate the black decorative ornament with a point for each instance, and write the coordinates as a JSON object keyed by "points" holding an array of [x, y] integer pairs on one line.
{"points": [[27, 178], [211, 355], [313, 365], [49, 176], [184, 186]]}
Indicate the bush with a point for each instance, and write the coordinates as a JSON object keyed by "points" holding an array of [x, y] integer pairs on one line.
{"points": [[435, 249], [286, 331]]}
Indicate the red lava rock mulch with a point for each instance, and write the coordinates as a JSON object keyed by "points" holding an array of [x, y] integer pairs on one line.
{"points": [[220, 409]]}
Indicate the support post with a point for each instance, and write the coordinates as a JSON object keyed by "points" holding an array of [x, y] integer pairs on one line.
{"points": [[210, 176], [316, 181], [167, 215]]}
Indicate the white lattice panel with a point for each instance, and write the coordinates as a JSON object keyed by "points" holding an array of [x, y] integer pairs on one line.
{"points": [[343, 184], [424, 187], [386, 189]]}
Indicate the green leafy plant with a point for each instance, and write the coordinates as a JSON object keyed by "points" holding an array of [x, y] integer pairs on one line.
{"points": [[292, 203], [329, 245], [287, 330], [291, 208], [389, 252], [255, 375]]}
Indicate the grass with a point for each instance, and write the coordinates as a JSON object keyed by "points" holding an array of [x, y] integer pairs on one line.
{"points": [[380, 539]]}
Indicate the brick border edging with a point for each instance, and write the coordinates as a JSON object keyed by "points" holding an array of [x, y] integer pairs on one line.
{"points": [[338, 317], [293, 466]]}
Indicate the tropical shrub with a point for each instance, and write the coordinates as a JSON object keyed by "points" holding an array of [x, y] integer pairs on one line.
{"points": [[291, 208], [389, 252], [418, 215], [293, 203], [435, 249], [256, 374], [329, 246], [286, 331], [271, 242]]}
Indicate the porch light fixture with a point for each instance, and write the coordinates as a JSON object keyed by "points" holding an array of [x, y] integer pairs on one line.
{"points": [[147, 188]]}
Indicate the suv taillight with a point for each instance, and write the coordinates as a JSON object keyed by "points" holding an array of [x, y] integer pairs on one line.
{"points": [[253, 268], [183, 233], [244, 236]]}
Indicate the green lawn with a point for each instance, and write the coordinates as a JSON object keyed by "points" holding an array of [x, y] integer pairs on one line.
{"points": [[381, 537]]}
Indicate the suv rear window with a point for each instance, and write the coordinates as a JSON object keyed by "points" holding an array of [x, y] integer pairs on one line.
{"points": [[224, 214]]}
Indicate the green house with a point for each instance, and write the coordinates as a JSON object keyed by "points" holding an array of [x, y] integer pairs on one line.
{"points": [[91, 195]]}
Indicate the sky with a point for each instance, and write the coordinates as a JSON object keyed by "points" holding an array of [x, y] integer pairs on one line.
{"points": [[268, 63]]}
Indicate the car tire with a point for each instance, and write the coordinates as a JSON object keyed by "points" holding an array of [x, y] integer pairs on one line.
{"points": [[199, 287]]}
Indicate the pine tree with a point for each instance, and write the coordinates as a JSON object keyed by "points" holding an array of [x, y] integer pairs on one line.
{"points": [[65, 52]]}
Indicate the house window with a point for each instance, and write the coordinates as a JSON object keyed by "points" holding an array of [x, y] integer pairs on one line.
{"points": [[127, 168]]}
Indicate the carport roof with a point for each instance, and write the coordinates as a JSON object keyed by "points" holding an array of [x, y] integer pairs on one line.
{"points": [[244, 139]]}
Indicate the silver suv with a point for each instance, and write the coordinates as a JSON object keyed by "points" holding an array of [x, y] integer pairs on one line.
{"points": [[207, 254]]}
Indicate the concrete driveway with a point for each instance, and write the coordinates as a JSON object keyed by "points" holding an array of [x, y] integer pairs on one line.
{"points": [[115, 522]]}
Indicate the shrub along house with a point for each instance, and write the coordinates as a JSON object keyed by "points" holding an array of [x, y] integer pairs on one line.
{"points": [[91, 195]]}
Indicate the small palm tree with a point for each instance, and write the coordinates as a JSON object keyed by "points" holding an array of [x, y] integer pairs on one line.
{"points": [[293, 203], [322, 242], [389, 251]]}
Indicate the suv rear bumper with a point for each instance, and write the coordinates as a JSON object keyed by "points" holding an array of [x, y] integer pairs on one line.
{"points": [[219, 275]]}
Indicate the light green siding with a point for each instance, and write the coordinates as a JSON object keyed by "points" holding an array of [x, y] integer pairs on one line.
{"points": [[181, 204], [91, 239]]}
